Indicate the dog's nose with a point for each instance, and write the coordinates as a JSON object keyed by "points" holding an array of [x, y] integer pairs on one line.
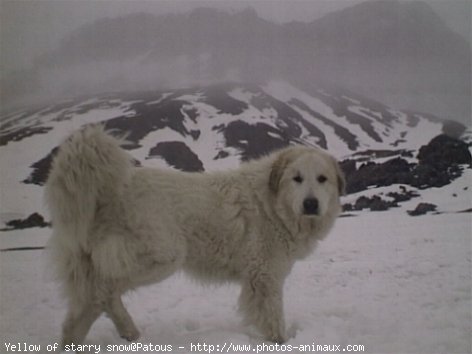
{"points": [[310, 206]]}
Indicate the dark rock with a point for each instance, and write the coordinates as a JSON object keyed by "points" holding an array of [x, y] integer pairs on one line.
{"points": [[254, 140], [221, 155], [22, 133], [394, 171], [348, 207], [427, 175], [34, 220], [41, 169], [378, 204], [348, 167], [362, 203], [439, 164], [178, 155], [373, 204], [421, 209], [444, 151], [195, 134], [402, 197]]}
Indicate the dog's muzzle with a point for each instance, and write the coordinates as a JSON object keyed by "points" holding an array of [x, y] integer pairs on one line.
{"points": [[310, 206]]}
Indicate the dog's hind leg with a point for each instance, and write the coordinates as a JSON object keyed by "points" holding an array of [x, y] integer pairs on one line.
{"points": [[121, 318], [85, 303], [153, 268], [79, 320]]}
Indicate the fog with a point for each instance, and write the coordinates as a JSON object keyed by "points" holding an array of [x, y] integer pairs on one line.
{"points": [[69, 48]]}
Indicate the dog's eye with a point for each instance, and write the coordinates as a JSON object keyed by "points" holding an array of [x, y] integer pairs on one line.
{"points": [[298, 179], [322, 178]]}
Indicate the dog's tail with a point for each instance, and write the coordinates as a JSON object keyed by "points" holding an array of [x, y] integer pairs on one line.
{"points": [[89, 172]]}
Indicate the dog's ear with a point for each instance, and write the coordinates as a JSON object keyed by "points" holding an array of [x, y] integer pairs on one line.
{"points": [[277, 170]]}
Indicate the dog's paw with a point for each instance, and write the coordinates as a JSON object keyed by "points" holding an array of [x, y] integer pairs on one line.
{"points": [[292, 331], [277, 338], [130, 335]]}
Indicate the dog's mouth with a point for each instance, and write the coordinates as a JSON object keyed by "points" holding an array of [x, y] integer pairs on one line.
{"points": [[311, 216]]}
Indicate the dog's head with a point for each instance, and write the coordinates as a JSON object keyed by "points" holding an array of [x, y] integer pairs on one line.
{"points": [[306, 181]]}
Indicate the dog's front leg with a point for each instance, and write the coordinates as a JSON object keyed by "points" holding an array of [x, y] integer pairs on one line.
{"points": [[262, 305]]}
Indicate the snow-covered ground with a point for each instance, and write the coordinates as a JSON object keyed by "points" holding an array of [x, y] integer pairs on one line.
{"points": [[386, 281]]}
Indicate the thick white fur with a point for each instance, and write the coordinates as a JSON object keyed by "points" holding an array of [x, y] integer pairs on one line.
{"points": [[116, 227]]}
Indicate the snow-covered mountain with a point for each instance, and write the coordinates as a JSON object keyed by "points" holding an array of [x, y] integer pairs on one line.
{"points": [[211, 125], [217, 127]]}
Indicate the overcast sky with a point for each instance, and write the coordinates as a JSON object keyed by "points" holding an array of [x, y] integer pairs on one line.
{"points": [[32, 27]]}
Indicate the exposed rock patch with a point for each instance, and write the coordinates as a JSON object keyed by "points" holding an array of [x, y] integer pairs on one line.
{"points": [[178, 155], [422, 208], [33, 220], [438, 164]]}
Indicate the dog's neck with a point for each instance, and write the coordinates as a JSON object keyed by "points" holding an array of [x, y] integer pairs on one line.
{"points": [[298, 233]]}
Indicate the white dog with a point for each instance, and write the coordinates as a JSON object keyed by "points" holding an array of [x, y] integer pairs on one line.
{"points": [[117, 227]]}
